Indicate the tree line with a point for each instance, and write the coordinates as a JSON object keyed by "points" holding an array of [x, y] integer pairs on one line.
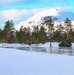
{"points": [[39, 34]]}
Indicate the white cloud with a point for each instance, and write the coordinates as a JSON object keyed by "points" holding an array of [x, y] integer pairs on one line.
{"points": [[14, 14], [18, 15]]}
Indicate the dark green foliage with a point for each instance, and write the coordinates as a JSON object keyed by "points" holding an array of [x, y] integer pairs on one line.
{"points": [[58, 36], [43, 36], [35, 34], [65, 43], [68, 25], [23, 36], [9, 31], [38, 34], [1, 35]]}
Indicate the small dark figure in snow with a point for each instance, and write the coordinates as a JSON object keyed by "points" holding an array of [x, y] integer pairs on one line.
{"points": [[50, 44], [50, 47]]}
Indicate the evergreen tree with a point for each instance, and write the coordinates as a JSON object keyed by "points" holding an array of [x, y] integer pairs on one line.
{"points": [[9, 31], [49, 22], [35, 34], [58, 36], [68, 26], [23, 35], [42, 35], [1, 35]]}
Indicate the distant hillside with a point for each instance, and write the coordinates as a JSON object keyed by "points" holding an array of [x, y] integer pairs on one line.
{"points": [[37, 19]]}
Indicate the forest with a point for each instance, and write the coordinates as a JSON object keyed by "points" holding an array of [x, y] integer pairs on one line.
{"points": [[42, 33]]}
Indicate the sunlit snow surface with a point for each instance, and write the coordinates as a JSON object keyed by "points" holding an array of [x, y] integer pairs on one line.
{"points": [[21, 62]]}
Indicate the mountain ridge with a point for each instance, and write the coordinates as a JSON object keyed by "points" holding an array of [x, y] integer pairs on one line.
{"points": [[36, 19]]}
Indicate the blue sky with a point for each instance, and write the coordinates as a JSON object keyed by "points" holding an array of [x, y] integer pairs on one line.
{"points": [[20, 10], [31, 4]]}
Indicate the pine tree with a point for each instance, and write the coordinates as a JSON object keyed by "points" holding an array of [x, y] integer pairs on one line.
{"points": [[35, 34], [1, 35], [49, 22], [68, 26], [42, 35], [9, 31]]}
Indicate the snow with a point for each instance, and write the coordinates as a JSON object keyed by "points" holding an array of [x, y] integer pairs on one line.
{"points": [[19, 62], [36, 19]]}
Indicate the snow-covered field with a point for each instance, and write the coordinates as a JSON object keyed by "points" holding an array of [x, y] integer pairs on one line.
{"points": [[19, 62]]}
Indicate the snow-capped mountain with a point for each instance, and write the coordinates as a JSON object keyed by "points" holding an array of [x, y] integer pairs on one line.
{"points": [[37, 18]]}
